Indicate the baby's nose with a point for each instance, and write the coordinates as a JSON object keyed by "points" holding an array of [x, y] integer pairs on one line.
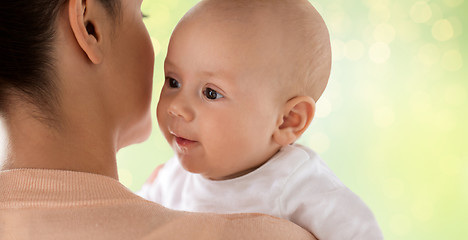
{"points": [[180, 107]]}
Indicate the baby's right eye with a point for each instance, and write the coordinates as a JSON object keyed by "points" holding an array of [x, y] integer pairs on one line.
{"points": [[172, 82]]}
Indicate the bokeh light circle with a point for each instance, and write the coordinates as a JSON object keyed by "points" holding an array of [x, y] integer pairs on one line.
{"points": [[442, 30], [452, 60], [429, 54], [420, 12]]}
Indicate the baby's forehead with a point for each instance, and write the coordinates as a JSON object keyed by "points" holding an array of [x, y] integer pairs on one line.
{"points": [[285, 37], [257, 24]]}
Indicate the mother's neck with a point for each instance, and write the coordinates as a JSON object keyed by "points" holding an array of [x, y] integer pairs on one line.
{"points": [[82, 145]]}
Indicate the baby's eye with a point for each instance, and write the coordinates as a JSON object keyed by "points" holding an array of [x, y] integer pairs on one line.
{"points": [[172, 82], [212, 94]]}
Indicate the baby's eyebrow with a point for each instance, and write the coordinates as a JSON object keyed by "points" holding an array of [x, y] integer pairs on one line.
{"points": [[209, 74], [217, 73], [168, 63]]}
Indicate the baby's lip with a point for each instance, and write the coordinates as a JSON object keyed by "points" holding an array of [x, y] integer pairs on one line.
{"points": [[183, 142], [181, 138]]}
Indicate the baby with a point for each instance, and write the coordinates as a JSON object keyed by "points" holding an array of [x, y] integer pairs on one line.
{"points": [[242, 79]]}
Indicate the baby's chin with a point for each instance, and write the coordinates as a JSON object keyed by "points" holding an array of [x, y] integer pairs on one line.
{"points": [[189, 164], [196, 165], [205, 173]]}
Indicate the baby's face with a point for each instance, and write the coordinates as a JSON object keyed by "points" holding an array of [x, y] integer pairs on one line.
{"points": [[218, 109]]}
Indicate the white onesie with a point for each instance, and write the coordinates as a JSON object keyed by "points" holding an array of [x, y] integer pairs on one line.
{"points": [[295, 184]]}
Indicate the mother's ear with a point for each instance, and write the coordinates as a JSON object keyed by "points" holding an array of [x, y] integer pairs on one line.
{"points": [[83, 17], [296, 117]]}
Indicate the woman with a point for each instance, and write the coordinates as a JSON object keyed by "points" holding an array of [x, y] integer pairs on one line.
{"points": [[75, 87]]}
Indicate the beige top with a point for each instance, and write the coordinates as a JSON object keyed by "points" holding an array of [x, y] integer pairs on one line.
{"points": [[56, 204]]}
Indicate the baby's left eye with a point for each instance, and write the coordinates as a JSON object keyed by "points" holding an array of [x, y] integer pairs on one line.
{"points": [[212, 94]]}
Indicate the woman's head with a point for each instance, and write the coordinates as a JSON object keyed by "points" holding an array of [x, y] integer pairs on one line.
{"points": [[27, 32], [78, 60]]}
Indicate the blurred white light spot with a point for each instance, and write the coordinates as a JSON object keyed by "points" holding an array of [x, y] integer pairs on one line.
{"points": [[400, 224], [384, 33], [420, 12], [324, 107], [393, 188], [452, 61], [429, 54], [354, 50], [457, 26], [379, 52], [384, 117], [319, 142], [442, 30], [125, 177]]}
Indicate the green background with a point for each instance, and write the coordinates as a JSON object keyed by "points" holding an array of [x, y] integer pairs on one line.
{"points": [[392, 121]]}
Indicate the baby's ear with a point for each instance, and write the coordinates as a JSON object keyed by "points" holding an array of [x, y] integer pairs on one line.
{"points": [[296, 117]]}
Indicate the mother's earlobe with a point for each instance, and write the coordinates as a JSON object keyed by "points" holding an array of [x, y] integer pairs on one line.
{"points": [[296, 117], [85, 30]]}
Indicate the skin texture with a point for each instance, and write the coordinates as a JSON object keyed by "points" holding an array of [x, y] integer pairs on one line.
{"points": [[233, 95]]}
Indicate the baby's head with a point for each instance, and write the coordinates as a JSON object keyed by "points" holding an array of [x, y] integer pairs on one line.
{"points": [[242, 79]]}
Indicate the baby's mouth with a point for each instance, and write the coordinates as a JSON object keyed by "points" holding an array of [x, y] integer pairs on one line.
{"points": [[183, 142]]}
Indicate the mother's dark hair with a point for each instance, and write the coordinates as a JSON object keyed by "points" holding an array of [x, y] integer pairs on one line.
{"points": [[27, 31]]}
